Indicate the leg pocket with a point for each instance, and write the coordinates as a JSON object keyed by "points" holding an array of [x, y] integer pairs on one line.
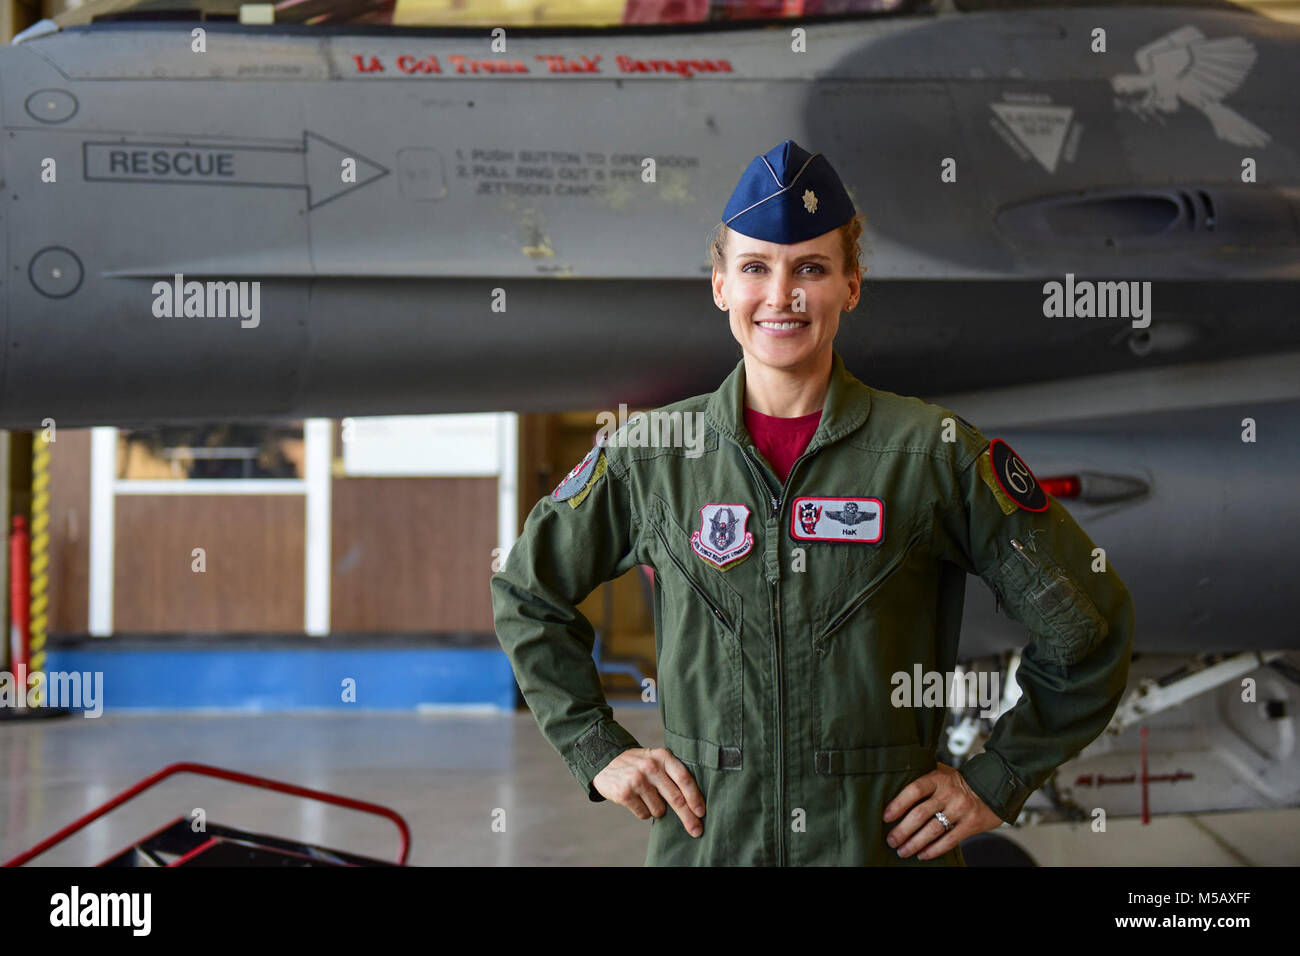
{"points": [[869, 778], [671, 845]]}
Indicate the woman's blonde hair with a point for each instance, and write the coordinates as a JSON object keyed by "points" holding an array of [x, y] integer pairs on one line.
{"points": [[850, 234]]}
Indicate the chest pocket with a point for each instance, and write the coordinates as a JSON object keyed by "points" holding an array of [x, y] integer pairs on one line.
{"points": [[1068, 624], [848, 599], [698, 619], [864, 634]]}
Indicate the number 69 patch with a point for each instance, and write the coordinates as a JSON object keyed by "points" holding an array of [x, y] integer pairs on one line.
{"points": [[1010, 479]]}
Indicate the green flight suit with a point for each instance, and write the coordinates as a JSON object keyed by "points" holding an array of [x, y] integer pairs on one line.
{"points": [[775, 670]]}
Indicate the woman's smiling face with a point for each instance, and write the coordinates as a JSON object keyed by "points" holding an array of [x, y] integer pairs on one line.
{"points": [[785, 300]]}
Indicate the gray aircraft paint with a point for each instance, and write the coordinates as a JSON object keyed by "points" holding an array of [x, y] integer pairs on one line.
{"points": [[376, 296]]}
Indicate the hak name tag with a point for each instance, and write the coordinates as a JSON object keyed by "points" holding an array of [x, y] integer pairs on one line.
{"points": [[838, 519]]}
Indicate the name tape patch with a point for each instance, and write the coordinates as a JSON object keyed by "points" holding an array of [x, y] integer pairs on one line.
{"points": [[861, 520]]}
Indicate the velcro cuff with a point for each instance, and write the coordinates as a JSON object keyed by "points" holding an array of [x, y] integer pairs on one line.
{"points": [[593, 751], [995, 784]]}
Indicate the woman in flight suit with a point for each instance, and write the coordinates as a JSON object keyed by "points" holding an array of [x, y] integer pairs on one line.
{"points": [[809, 562]]}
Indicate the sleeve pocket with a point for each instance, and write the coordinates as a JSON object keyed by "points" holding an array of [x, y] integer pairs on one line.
{"points": [[1070, 624]]}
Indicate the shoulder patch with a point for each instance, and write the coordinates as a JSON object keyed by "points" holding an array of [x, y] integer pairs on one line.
{"points": [[577, 484], [1013, 478], [986, 473]]}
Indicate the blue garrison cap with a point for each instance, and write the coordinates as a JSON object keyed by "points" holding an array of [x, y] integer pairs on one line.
{"points": [[788, 195]]}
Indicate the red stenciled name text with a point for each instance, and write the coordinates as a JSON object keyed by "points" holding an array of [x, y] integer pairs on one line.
{"points": [[413, 65]]}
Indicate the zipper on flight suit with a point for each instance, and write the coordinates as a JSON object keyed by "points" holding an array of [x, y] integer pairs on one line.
{"points": [[895, 563], [773, 587], [758, 476], [717, 612]]}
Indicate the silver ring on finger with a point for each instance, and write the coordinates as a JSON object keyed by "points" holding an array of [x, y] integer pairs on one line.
{"points": [[944, 820]]}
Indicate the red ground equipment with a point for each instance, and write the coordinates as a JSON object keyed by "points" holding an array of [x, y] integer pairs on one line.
{"points": [[176, 844]]}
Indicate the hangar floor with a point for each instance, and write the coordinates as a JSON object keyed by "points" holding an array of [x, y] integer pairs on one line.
{"points": [[447, 774]]}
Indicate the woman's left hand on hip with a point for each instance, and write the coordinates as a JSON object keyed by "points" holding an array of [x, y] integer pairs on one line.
{"points": [[941, 790]]}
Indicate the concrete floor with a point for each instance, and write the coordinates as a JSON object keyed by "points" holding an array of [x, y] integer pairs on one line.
{"points": [[446, 774]]}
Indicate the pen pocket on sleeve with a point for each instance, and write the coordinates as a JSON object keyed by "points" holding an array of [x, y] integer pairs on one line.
{"points": [[1069, 625]]}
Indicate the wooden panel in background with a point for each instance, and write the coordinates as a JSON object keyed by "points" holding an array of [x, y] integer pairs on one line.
{"points": [[255, 554], [413, 554], [69, 592]]}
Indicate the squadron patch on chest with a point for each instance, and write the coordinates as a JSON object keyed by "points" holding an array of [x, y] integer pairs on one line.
{"points": [[861, 520], [722, 539]]}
